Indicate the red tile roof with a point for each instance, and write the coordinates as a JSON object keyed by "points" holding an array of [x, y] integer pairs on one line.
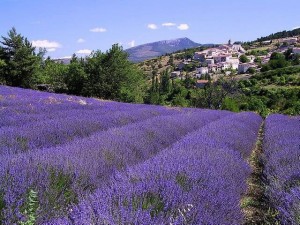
{"points": [[202, 81]]}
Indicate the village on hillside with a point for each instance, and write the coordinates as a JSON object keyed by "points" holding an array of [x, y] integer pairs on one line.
{"points": [[218, 61], [211, 63]]}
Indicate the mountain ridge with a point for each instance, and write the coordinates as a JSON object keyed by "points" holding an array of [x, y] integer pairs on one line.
{"points": [[154, 49]]}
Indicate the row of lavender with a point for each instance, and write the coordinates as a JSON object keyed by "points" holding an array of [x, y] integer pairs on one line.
{"points": [[198, 180], [78, 124], [85, 164], [64, 160], [20, 106], [24, 126], [282, 166]]}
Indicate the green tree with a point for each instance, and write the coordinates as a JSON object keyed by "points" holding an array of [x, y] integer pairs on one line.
{"points": [[171, 60], [277, 56], [296, 60], [180, 100], [277, 60], [20, 59], [257, 60], [76, 77], [95, 75], [288, 54], [214, 93], [257, 105], [2, 67], [54, 74], [251, 70], [165, 82], [133, 89], [230, 104], [244, 59], [112, 76]]}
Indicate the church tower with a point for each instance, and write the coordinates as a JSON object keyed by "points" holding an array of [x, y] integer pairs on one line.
{"points": [[229, 42]]}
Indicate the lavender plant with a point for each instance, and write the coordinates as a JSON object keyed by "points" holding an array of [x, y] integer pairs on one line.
{"points": [[199, 180], [86, 163], [282, 166]]}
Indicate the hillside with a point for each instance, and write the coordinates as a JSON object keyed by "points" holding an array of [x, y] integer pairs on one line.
{"points": [[155, 49], [281, 34], [189, 77]]}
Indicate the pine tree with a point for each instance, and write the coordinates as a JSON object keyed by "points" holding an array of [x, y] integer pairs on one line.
{"points": [[165, 82], [20, 59]]}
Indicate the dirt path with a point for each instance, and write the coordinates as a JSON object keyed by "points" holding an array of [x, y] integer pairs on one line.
{"points": [[254, 204]]}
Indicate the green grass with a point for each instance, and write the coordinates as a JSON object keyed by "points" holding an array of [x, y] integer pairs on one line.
{"points": [[248, 202], [183, 181]]}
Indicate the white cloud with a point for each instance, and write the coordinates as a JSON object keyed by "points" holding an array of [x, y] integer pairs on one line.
{"points": [[131, 44], [51, 49], [152, 26], [183, 26], [84, 51], [294, 28], [50, 46], [168, 24], [98, 30], [67, 57], [80, 40], [45, 44]]}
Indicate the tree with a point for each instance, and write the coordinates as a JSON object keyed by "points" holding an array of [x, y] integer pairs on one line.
{"points": [[53, 74], [244, 59], [276, 56], [288, 54], [214, 93], [251, 70], [165, 82], [257, 60], [296, 60], [277, 60], [133, 89], [180, 100], [2, 66], [20, 60], [76, 77], [230, 104], [94, 71], [112, 76], [171, 60]]}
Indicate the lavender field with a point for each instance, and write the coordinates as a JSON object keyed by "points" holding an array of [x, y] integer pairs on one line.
{"points": [[73, 160]]}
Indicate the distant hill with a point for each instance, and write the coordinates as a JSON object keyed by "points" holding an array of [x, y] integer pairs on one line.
{"points": [[155, 49], [281, 34], [65, 61]]}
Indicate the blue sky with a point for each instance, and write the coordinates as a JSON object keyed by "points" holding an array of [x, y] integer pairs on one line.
{"points": [[65, 27]]}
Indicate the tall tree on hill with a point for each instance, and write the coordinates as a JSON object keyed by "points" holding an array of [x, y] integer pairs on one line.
{"points": [[20, 59], [165, 82]]}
